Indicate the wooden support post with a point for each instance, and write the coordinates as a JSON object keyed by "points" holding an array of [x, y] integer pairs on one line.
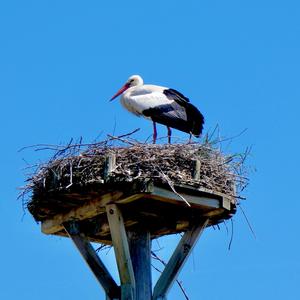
{"points": [[109, 165], [121, 248], [196, 171], [90, 256], [177, 260], [140, 250]]}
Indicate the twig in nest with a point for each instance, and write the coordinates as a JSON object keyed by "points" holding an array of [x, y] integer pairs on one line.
{"points": [[120, 139], [103, 247], [128, 134], [231, 237], [170, 183], [71, 176], [248, 222], [80, 165]]}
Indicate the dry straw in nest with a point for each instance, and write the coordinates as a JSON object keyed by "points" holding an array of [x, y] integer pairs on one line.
{"points": [[78, 166]]}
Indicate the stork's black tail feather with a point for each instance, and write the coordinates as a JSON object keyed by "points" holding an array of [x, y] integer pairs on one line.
{"points": [[195, 119], [179, 113]]}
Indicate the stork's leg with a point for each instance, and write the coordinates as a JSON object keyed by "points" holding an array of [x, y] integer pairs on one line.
{"points": [[154, 133], [169, 134]]}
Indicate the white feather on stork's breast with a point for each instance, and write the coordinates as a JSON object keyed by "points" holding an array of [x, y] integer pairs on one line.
{"points": [[139, 99]]}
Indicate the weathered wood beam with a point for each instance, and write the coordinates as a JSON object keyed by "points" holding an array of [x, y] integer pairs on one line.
{"points": [[87, 210], [90, 239], [90, 256], [122, 253], [92, 208], [196, 169], [177, 260], [212, 193], [109, 165], [169, 196], [140, 250]]}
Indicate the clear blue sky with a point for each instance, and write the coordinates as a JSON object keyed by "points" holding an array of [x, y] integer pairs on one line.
{"points": [[238, 61]]}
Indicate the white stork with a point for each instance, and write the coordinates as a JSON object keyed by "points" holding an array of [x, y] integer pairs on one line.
{"points": [[161, 105]]}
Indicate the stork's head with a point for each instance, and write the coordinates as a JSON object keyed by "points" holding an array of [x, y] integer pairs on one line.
{"points": [[134, 80]]}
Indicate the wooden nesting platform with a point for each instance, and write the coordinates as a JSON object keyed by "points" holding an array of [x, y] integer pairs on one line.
{"points": [[144, 205], [126, 196]]}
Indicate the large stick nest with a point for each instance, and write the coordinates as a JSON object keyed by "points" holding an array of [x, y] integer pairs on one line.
{"points": [[80, 167]]}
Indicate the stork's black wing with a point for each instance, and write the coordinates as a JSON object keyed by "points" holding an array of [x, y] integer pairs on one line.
{"points": [[179, 114], [176, 96]]}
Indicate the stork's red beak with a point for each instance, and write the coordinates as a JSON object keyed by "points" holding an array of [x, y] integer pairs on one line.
{"points": [[120, 91]]}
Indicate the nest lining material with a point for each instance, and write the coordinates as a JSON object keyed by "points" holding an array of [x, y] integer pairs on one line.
{"points": [[172, 164]]}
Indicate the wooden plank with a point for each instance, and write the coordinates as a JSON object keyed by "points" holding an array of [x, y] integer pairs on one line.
{"points": [[105, 230], [213, 199], [130, 198], [177, 260], [93, 261], [140, 250], [96, 206], [109, 165], [90, 239], [226, 203], [196, 170], [88, 210], [169, 196], [164, 195], [207, 191], [121, 248], [214, 213]]}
